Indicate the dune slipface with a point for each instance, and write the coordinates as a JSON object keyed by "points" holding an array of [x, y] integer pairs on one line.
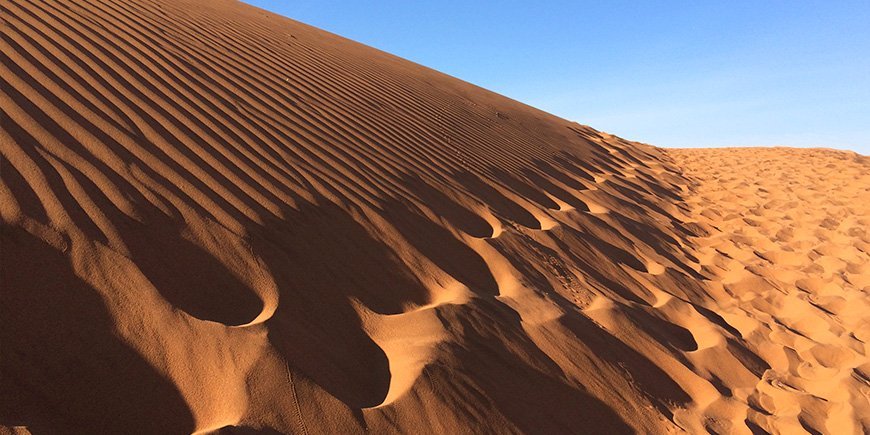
{"points": [[216, 219]]}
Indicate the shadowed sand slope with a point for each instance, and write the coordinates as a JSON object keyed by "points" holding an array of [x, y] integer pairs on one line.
{"points": [[216, 219]]}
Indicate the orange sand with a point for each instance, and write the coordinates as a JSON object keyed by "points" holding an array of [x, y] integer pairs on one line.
{"points": [[218, 219]]}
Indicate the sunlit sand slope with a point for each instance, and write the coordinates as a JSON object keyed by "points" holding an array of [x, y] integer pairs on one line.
{"points": [[789, 257], [218, 219]]}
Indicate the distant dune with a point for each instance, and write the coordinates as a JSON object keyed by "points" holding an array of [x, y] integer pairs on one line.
{"points": [[216, 219]]}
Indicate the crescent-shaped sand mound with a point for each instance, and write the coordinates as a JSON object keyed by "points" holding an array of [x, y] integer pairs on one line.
{"points": [[218, 219]]}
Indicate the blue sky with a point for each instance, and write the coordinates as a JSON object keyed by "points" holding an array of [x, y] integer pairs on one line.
{"points": [[669, 73]]}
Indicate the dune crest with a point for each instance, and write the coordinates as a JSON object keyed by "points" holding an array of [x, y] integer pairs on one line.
{"points": [[216, 219]]}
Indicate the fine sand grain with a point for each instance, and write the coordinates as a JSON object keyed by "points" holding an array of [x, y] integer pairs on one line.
{"points": [[216, 219]]}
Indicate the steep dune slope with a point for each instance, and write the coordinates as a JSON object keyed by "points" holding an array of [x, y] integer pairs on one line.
{"points": [[218, 219]]}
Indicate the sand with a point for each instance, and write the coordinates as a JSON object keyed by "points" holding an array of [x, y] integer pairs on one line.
{"points": [[219, 220], [788, 260]]}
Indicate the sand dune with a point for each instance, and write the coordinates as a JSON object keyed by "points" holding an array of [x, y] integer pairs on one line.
{"points": [[216, 219], [789, 260]]}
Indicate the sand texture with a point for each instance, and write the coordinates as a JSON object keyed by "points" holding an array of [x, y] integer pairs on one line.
{"points": [[216, 219]]}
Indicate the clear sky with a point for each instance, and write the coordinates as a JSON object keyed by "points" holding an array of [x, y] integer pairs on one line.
{"points": [[669, 73]]}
